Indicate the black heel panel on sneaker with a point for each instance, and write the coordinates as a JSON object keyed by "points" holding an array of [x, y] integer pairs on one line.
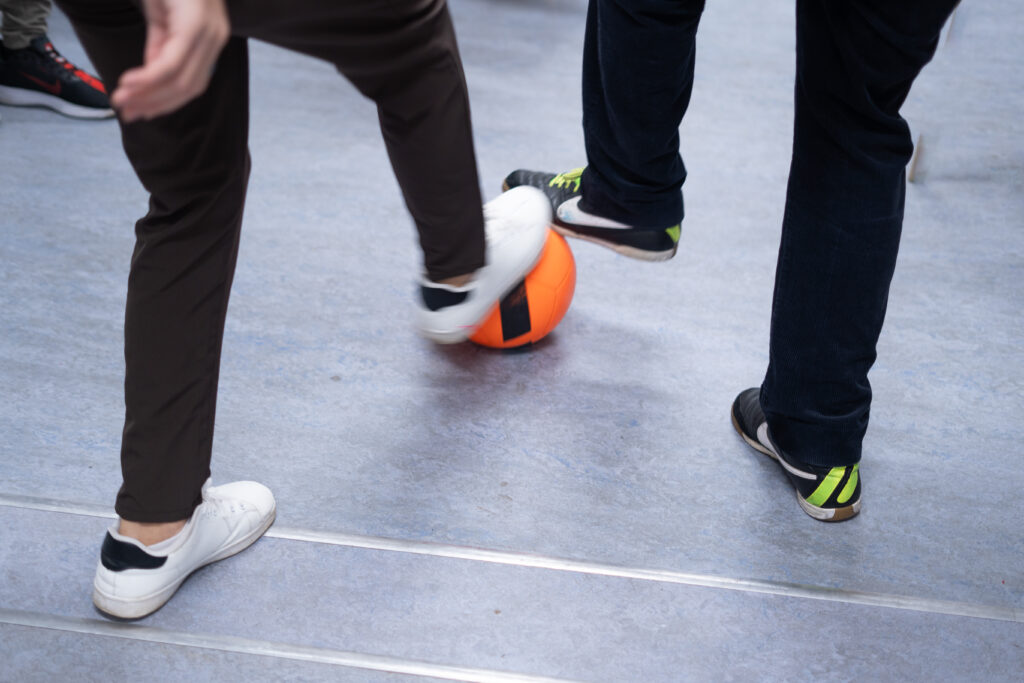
{"points": [[436, 298], [746, 411], [117, 556]]}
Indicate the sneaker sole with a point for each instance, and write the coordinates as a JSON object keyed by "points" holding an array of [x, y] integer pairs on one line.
{"points": [[821, 514], [138, 608], [520, 269], [631, 252], [20, 97]]}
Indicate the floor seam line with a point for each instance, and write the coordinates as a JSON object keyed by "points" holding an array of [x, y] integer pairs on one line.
{"points": [[519, 559], [264, 648]]}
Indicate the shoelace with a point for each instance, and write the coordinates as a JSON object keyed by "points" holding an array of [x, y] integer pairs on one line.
{"points": [[228, 506], [62, 61], [568, 178]]}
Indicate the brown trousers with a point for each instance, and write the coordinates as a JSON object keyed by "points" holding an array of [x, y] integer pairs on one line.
{"points": [[194, 163]]}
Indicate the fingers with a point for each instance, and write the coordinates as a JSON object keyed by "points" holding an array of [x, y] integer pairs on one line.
{"points": [[159, 86], [182, 46]]}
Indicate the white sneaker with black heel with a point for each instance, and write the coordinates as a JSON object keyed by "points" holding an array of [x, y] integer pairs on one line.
{"points": [[516, 225], [134, 580]]}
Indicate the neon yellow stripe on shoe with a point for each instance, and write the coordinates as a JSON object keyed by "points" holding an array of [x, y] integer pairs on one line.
{"points": [[673, 232], [851, 485], [827, 486]]}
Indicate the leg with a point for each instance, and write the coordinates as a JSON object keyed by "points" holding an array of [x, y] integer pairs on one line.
{"points": [[23, 20], [638, 60], [403, 55], [856, 61], [195, 165]]}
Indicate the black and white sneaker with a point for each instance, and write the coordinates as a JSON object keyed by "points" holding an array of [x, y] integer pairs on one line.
{"points": [[573, 220], [134, 580], [516, 225], [831, 494], [39, 76]]}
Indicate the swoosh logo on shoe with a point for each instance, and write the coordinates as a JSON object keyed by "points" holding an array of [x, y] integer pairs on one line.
{"points": [[762, 436], [52, 88], [570, 212]]}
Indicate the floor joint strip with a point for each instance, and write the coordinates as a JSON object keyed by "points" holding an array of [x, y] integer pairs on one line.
{"points": [[263, 648], [518, 559]]}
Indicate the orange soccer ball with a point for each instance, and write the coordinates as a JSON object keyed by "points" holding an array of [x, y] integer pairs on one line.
{"points": [[537, 304]]}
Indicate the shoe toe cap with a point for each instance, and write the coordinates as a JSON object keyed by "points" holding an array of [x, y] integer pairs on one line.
{"points": [[529, 205]]}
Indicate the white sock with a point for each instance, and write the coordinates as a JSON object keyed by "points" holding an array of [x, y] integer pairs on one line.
{"points": [[427, 282], [160, 547]]}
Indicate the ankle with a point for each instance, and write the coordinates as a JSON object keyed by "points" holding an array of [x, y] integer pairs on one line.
{"points": [[457, 281], [149, 533]]}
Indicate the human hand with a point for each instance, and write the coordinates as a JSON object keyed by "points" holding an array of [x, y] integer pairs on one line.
{"points": [[183, 40]]}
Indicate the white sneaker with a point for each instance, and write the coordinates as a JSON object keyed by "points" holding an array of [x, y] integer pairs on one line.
{"points": [[516, 224], [134, 580]]}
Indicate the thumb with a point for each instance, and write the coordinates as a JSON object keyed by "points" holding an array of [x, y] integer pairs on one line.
{"points": [[156, 28], [156, 38]]}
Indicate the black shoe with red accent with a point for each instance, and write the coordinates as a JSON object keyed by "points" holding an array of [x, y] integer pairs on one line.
{"points": [[38, 76]]}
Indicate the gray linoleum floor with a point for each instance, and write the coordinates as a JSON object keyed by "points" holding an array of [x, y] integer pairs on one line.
{"points": [[582, 511]]}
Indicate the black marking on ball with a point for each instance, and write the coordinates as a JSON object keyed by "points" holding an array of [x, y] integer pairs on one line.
{"points": [[515, 313]]}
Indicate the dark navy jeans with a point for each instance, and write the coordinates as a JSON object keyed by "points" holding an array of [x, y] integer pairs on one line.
{"points": [[856, 61]]}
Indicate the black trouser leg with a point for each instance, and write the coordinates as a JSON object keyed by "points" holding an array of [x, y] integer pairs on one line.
{"points": [[638, 60], [856, 61]]}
